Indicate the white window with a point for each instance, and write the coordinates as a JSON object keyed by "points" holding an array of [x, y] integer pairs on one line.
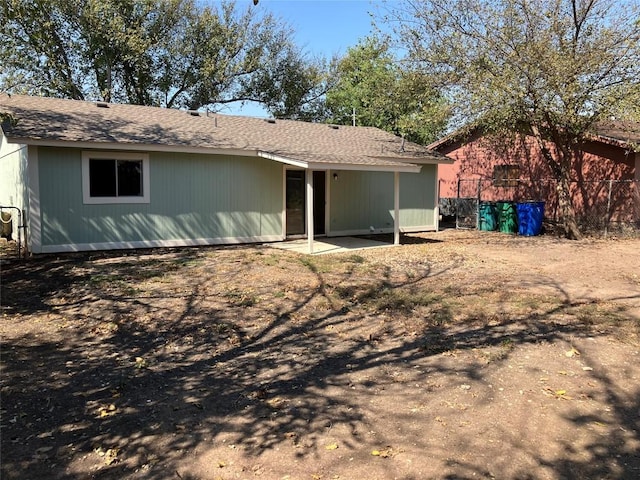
{"points": [[115, 177]]}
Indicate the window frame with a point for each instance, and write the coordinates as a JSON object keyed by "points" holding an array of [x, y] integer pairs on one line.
{"points": [[87, 199], [503, 175]]}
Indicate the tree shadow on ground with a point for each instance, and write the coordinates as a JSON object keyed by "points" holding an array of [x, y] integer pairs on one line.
{"points": [[144, 378]]}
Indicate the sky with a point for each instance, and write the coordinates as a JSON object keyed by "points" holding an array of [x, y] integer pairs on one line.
{"points": [[322, 27]]}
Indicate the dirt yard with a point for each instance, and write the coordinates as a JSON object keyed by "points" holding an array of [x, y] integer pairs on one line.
{"points": [[458, 355]]}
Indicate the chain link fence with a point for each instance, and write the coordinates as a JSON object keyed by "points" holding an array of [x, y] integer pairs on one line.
{"points": [[603, 207]]}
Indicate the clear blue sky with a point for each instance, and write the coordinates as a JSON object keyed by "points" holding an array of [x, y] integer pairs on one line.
{"points": [[322, 27]]}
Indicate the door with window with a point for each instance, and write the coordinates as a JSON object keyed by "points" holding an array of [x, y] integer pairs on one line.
{"points": [[296, 202]]}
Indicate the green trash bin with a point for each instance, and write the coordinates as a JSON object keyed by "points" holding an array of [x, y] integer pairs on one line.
{"points": [[487, 216], [507, 217]]}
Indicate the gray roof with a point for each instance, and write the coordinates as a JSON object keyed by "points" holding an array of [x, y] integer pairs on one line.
{"points": [[53, 121], [625, 134]]}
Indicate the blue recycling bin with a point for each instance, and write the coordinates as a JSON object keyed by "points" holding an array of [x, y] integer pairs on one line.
{"points": [[530, 216]]}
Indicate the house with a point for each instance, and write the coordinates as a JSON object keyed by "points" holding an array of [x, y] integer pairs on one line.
{"points": [[605, 182], [94, 176]]}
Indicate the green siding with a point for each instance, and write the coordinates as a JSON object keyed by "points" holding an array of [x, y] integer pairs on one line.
{"points": [[191, 197], [417, 198], [13, 184], [360, 200], [13, 174]]}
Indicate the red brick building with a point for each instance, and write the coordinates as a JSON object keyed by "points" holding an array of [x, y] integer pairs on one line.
{"points": [[605, 184]]}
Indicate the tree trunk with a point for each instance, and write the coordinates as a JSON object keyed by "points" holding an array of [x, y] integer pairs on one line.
{"points": [[567, 212], [560, 165]]}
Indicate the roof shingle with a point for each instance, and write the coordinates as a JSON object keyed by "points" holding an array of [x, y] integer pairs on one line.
{"points": [[45, 119]]}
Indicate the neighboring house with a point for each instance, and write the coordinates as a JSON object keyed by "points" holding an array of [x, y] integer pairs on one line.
{"points": [[93, 176], [605, 184]]}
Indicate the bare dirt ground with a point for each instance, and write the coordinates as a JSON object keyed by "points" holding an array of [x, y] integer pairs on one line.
{"points": [[457, 355]]}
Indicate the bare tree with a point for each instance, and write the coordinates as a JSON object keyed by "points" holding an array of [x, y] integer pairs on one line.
{"points": [[549, 68]]}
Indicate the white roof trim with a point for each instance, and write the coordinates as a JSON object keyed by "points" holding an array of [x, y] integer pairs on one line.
{"points": [[431, 161], [400, 167], [281, 159]]}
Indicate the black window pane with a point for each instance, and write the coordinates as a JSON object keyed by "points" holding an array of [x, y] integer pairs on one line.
{"points": [[129, 178], [102, 178]]}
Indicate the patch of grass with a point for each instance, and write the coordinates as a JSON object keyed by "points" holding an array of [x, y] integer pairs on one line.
{"points": [[188, 263], [344, 292], [222, 327], [271, 260], [536, 303], [114, 283], [604, 314], [101, 279], [384, 297], [309, 263], [332, 263], [396, 299], [441, 316], [354, 258], [241, 299]]}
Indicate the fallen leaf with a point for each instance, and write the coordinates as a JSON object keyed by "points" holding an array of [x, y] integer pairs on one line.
{"points": [[572, 353], [140, 362], [111, 456], [107, 411], [275, 403], [384, 453], [562, 394]]}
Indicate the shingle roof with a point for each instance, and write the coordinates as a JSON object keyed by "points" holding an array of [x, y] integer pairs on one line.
{"points": [[53, 120], [625, 134]]}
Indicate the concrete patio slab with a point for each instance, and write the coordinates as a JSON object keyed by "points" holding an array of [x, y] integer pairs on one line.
{"points": [[329, 245]]}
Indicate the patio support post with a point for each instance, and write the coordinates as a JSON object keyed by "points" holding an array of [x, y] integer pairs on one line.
{"points": [[309, 202], [396, 208]]}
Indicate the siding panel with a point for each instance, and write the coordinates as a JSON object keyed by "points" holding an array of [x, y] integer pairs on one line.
{"points": [[361, 200], [13, 178], [192, 197], [417, 197]]}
